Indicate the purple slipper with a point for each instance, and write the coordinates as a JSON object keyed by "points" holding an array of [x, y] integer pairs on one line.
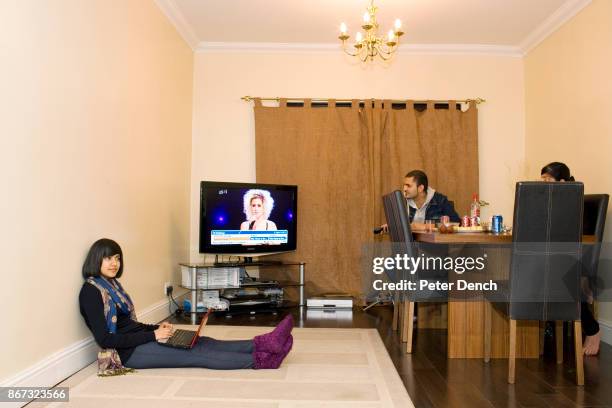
{"points": [[287, 347], [274, 341], [265, 360]]}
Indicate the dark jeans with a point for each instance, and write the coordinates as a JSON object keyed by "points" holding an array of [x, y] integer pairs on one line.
{"points": [[590, 327], [207, 353]]}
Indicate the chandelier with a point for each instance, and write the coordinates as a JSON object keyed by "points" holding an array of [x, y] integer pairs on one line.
{"points": [[371, 44]]}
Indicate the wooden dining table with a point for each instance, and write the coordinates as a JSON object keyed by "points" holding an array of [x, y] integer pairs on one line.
{"points": [[435, 237], [464, 320]]}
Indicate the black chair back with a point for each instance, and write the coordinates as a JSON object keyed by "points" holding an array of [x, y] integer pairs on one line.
{"points": [[546, 251], [594, 216], [398, 224], [593, 223], [396, 213], [403, 243]]}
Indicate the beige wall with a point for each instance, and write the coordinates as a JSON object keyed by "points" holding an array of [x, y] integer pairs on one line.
{"points": [[96, 137], [569, 103], [95, 141], [224, 141]]}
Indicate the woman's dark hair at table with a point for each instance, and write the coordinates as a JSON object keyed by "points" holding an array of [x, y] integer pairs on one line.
{"points": [[557, 170], [101, 249]]}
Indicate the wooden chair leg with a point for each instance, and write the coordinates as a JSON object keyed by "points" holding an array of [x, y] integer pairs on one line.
{"points": [[487, 332], [559, 339], [405, 310], [578, 351], [401, 319], [512, 353], [409, 326], [396, 306], [542, 337]]}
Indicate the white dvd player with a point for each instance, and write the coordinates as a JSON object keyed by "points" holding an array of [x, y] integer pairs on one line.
{"points": [[330, 302]]}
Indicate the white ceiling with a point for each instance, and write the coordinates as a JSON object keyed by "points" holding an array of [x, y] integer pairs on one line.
{"points": [[492, 23]]}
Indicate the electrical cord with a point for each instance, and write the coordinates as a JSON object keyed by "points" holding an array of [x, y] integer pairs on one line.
{"points": [[178, 307]]}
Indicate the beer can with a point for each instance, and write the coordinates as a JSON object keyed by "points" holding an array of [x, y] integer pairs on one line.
{"points": [[445, 220], [497, 224], [465, 221], [474, 221]]}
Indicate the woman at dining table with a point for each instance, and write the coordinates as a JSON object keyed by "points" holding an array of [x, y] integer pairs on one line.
{"points": [[559, 172]]}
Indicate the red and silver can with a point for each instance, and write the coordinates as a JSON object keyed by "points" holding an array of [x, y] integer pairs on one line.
{"points": [[474, 221], [445, 220], [465, 221]]}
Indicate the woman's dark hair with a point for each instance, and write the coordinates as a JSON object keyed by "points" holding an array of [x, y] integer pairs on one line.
{"points": [[557, 170], [420, 178], [101, 249]]}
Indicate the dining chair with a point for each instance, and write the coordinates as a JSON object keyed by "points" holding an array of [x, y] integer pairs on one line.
{"points": [[593, 223], [402, 242], [545, 264]]}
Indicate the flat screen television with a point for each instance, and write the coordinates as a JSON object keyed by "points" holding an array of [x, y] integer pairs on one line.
{"points": [[247, 219]]}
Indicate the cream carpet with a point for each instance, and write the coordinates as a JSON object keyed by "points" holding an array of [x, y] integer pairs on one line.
{"points": [[327, 368]]}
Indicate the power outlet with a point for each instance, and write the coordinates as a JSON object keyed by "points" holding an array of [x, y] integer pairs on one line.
{"points": [[168, 288]]}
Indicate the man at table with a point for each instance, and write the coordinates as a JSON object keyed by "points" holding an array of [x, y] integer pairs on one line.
{"points": [[423, 202]]}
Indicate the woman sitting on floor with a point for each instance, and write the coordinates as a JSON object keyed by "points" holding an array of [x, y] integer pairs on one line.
{"points": [[127, 344]]}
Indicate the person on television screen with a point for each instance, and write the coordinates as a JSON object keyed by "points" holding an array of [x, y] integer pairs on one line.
{"points": [[127, 344], [258, 205], [559, 172]]}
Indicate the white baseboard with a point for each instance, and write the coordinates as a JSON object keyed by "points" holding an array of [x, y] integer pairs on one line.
{"points": [[55, 368], [62, 364], [605, 327]]}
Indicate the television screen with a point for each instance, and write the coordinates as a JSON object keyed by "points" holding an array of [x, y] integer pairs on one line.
{"points": [[244, 218]]}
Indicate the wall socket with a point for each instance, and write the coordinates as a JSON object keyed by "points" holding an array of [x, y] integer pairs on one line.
{"points": [[167, 288]]}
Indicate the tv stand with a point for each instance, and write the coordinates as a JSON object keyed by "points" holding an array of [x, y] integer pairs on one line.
{"points": [[246, 261], [273, 265]]}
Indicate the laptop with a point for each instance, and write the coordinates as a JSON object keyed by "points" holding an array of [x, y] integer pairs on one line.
{"points": [[185, 339]]}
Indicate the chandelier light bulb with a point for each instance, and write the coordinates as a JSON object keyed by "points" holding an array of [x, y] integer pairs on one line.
{"points": [[371, 44]]}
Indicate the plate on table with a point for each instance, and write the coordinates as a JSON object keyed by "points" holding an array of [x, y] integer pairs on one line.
{"points": [[479, 228]]}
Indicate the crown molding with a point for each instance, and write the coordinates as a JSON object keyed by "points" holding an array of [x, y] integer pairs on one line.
{"points": [[409, 49], [207, 46], [552, 23], [539, 34], [172, 12], [461, 49]]}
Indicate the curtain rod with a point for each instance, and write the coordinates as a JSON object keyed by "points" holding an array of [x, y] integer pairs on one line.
{"points": [[251, 98]]}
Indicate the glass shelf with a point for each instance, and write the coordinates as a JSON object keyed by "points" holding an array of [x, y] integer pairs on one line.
{"points": [[261, 284], [252, 308], [240, 264]]}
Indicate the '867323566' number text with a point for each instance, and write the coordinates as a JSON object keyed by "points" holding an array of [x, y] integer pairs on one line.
{"points": [[25, 394]]}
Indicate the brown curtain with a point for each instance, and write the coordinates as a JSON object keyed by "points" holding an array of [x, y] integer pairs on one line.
{"points": [[344, 159]]}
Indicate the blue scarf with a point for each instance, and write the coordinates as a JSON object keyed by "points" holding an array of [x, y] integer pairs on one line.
{"points": [[115, 301]]}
